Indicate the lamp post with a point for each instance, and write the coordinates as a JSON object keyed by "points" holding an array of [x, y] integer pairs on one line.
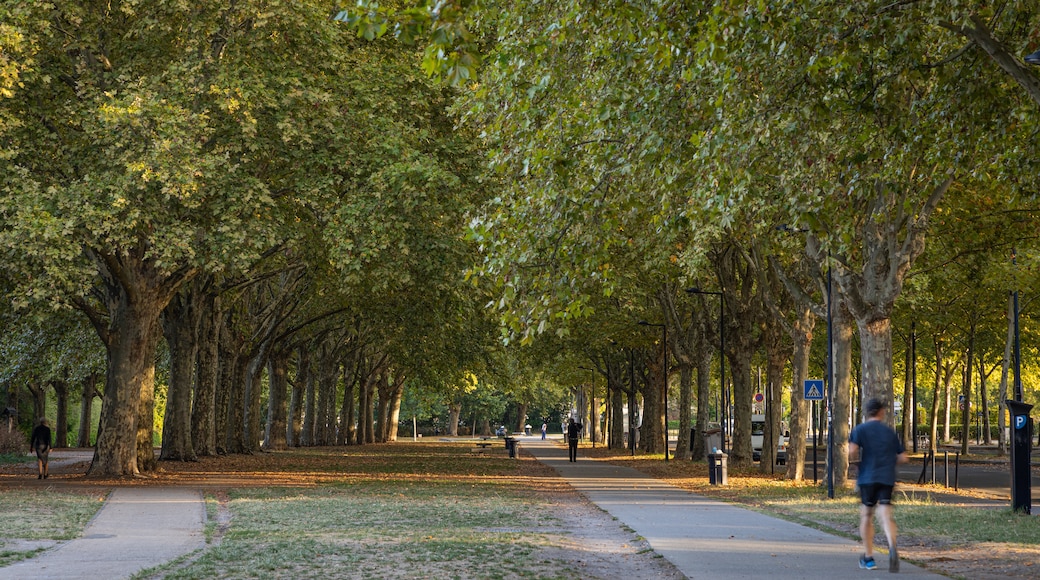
{"points": [[664, 382], [722, 355], [830, 384]]}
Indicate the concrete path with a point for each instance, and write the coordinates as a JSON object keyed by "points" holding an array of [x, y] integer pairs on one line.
{"points": [[138, 528], [706, 538]]}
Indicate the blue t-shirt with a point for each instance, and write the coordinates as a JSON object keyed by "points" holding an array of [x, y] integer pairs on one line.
{"points": [[879, 446]]}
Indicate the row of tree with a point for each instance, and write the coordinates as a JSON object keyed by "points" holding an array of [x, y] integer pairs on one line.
{"points": [[792, 160], [730, 173]]}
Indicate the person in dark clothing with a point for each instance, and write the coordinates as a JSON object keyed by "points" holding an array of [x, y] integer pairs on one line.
{"points": [[41, 444], [879, 451], [573, 432]]}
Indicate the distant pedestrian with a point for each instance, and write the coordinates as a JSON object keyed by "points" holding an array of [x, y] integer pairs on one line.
{"points": [[573, 433], [879, 451], [545, 427], [41, 444]]}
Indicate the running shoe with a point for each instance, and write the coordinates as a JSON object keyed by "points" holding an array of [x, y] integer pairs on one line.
{"points": [[893, 560], [867, 563]]}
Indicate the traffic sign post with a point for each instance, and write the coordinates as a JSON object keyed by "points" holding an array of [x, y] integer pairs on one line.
{"points": [[813, 391]]}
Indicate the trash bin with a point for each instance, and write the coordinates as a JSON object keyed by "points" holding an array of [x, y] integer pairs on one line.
{"points": [[717, 468], [511, 447]]}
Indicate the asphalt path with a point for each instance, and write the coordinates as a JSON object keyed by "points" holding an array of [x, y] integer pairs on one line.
{"points": [[137, 528], [707, 538]]}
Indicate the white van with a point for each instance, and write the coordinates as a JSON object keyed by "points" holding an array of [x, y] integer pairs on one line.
{"points": [[758, 432]]}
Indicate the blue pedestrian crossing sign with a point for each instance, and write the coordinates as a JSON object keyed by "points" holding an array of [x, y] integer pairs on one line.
{"points": [[813, 390]]}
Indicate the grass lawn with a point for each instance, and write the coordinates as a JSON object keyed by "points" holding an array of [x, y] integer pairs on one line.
{"points": [[435, 509]]}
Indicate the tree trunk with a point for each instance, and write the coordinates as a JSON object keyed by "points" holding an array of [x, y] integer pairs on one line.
{"points": [[366, 414], [396, 394], [363, 404], [682, 444], [325, 422], [987, 437], [124, 444], [842, 326], [1002, 394], [86, 408], [350, 387], [204, 409], [294, 435], [703, 404], [454, 412], [947, 391], [228, 407], [876, 362], [383, 406], [310, 392], [39, 397], [617, 409], [252, 393], [653, 417], [180, 322], [278, 386], [237, 404], [801, 335], [61, 423], [935, 395], [740, 453], [908, 402], [777, 355], [521, 417], [738, 277], [966, 390]]}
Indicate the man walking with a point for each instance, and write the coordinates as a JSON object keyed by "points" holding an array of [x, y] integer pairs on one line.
{"points": [[573, 432], [879, 451]]}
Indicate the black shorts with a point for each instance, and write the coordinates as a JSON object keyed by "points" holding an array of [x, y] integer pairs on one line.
{"points": [[872, 494]]}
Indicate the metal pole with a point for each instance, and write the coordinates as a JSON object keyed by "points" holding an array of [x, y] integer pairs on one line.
{"points": [[815, 436], [664, 386], [722, 365], [830, 384], [913, 377]]}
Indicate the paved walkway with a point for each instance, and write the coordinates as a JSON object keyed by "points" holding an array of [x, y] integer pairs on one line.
{"points": [[706, 538], [138, 528]]}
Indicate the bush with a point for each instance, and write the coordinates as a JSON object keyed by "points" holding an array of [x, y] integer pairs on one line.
{"points": [[13, 442]]}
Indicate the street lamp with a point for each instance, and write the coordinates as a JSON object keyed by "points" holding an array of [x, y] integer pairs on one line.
{"points": [[722, 355], [664, 386]]}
